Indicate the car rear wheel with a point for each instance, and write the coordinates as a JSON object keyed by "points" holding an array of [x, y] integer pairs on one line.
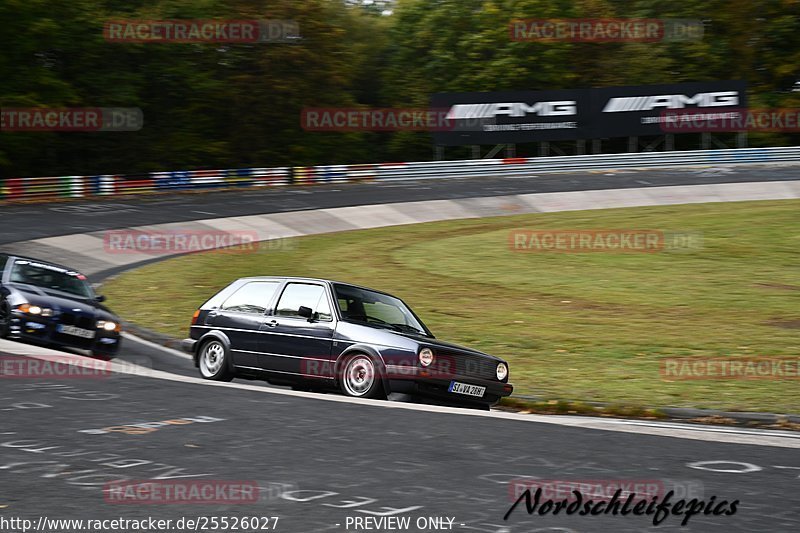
{"points": [[359, 378], [213, 361]]}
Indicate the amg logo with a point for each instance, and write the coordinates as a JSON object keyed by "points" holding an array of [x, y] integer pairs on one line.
{"points": [[671, 101], [512, 109]]}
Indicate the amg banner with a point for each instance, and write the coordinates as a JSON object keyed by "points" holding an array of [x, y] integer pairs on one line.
{"points": [[654, 109], [566, 115], [511, 117]]}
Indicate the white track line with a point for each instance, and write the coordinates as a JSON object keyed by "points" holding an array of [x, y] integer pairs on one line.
{"points": [[176, 353], [684, 431]]}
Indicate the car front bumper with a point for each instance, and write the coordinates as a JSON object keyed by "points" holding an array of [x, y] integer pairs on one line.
{"points": [[188, 345], [44, 330], [411, 380]]}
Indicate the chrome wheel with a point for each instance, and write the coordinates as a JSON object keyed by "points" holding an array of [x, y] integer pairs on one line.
{"points": [[211, 359], [358, 377]]}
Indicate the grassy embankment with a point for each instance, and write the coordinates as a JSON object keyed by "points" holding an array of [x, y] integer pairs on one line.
{"points": [[575, 326]]}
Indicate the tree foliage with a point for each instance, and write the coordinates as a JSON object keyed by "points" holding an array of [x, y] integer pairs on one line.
{"points": [[234, 105]]}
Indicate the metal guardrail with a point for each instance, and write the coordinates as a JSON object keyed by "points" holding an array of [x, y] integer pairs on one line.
{"points": [[48, 189]]}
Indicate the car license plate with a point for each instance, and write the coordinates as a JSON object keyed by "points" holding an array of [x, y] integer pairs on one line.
{"points": [[78, 332], [468, 390]]}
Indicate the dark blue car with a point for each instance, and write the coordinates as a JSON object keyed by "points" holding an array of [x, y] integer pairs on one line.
{"points": [[314, 333], [52, 305]]}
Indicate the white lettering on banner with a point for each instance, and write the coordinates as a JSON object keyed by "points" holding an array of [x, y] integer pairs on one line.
{"points": [[513, 109], [671, 101]]}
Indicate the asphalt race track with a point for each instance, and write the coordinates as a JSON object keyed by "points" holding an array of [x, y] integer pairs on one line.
{"points": [[24, 222], [321, 461]]}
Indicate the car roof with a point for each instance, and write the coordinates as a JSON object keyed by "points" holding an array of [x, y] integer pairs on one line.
{"points": [[42, 261], [317, 280]]}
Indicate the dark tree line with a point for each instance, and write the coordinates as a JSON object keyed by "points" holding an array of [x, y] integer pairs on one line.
{"points": [[215, 105]]}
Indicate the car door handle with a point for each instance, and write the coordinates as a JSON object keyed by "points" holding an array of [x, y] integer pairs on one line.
{"points": [[271, 323]]}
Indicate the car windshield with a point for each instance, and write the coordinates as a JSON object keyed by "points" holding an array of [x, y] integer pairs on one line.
{"points": [[50, 277], [378, 309]]}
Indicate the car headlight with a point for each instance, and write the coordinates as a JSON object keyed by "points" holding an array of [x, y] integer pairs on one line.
{"points": [[35, 310], [502, 371], [426, 356], [107, 325]]}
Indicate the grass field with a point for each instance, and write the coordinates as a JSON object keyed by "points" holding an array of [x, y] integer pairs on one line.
{"points": [[575, 326]]}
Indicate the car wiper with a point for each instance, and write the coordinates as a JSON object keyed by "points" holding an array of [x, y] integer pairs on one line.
{"points": [[380, 323], [411, 329]]}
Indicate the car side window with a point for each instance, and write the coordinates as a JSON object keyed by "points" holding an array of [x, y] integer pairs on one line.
{"points": [[323, 308], [384, 312], [252, 297], [297, 295]]}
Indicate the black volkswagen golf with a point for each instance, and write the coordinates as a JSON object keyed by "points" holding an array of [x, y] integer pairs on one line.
{"points": [[49, 304], [313, 333]]}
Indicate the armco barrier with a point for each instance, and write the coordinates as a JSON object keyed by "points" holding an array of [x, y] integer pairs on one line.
{"points": [[49, 189]]}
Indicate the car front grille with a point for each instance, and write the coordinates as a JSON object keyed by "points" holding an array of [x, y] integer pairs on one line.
{"points": [[465, 365], [84, 322], [79, 321]]}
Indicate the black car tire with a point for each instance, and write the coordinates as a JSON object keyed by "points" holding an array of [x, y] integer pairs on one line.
{"points": [[212, 360], [5, 320], [360, 377]]}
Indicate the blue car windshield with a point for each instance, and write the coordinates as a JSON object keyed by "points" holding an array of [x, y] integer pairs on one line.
{"points": [[50, 277], [375, 308]]}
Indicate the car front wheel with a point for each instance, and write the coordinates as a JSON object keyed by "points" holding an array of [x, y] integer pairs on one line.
{"points": [[5, 320], [213, 361], [359, 378]]}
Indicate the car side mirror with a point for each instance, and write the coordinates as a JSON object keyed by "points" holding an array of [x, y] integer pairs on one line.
{"points": [[100, 298], [305, 312]]}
